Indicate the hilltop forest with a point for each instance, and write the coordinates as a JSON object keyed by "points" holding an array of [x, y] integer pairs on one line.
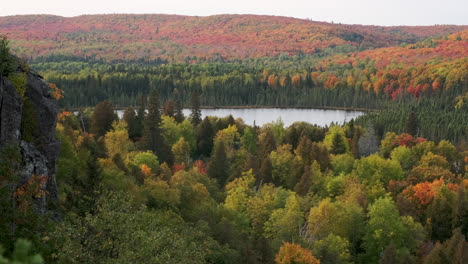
{"points": [[243, 60], [156, 186]]}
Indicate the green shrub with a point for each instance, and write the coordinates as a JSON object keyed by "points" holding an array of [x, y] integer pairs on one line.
{"points": [[19, 81]]}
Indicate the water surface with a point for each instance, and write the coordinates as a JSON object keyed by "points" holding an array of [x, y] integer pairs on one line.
{"points": [[262, 116]]}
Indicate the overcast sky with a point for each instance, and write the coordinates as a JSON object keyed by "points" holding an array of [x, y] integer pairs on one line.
{"points": [[370, 12]]}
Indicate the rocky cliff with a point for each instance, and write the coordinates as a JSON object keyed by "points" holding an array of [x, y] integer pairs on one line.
{"points": [[27, 124]]}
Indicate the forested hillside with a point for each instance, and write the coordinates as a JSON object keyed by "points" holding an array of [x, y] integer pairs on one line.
{"points": [[164, 188], [156, 186], [180, 38]]}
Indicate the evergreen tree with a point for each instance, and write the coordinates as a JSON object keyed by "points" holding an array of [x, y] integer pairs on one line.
{"points": [[303, 186], [205, 137], [6, 60], [140, 118], [266, 143], [266, 170], [338, 145], [196, 112], [169, 108], [152, 132], [130, 118], [102, 118], [355, 143], [219, 165], [179, 114], [305, 150], [412, 124]]}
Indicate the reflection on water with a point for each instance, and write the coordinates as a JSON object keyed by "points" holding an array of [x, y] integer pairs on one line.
{"points": [[262, 116]]}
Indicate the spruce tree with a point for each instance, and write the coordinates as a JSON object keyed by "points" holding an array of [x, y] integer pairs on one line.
{"points": [[140, 119], [102, 118], [196, 112], [266, 144], [338, 145], [205, 138], [130, 118], [179, 114], [303, 186], [219, 165], [169, 108], [152, 132]]}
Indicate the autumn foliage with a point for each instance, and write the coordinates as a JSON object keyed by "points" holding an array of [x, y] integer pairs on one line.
{"points": [[125, 37], [291, 253], [32, 189]]}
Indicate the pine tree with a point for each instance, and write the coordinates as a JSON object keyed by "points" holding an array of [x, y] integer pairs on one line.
{"points": [[196, 112], [219, 165], [152, 133]]}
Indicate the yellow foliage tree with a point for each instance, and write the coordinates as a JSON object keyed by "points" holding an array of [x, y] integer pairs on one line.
{"points": [[117, 141]]}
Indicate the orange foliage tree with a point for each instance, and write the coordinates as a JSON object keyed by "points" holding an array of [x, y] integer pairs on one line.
{"points": [[291, 253]]}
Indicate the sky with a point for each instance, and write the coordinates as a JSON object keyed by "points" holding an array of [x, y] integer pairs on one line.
{"points": [[367, 12]]}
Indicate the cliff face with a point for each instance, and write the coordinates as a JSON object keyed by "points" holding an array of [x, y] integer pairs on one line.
{"points": [[38, 156]]}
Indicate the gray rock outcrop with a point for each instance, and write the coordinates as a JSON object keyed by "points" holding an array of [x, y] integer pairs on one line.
{"points": [[38, 157]]}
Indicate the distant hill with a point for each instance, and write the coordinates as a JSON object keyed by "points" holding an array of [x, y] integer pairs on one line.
{"points": [[178, 38]]}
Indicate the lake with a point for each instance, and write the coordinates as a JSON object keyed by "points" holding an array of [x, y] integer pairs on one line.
{"points": [[262, 116]]}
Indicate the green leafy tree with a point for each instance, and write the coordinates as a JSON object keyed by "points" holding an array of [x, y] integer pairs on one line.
{"points": [[147, 158], [117, 140], [386, 227], [284, 165], [332, 249], [21, 254], [120, 232], [181, 151], [285, 223]]}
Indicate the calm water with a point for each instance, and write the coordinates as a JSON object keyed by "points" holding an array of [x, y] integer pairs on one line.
{"points": [[262, 116]]}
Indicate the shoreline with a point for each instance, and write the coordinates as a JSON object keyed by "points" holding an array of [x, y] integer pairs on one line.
{"points": [[347, 109]]}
